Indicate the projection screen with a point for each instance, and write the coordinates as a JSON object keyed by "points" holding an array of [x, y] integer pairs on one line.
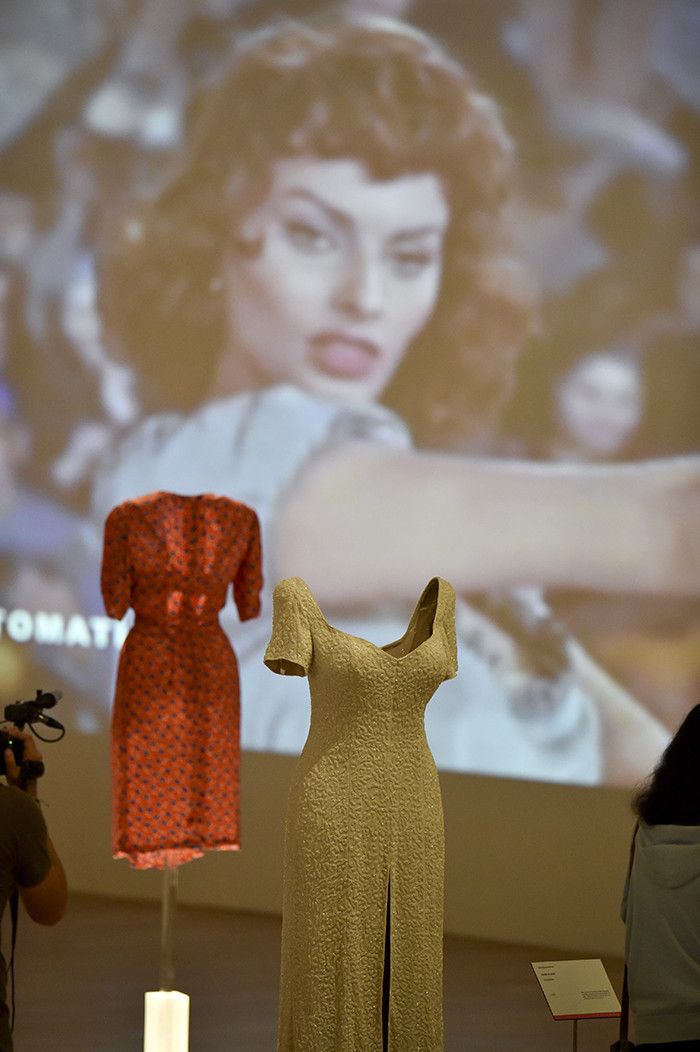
{"points": [[417, 281]]}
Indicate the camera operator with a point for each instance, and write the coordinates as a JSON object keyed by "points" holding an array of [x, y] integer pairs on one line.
{"points": [[28, 859]]}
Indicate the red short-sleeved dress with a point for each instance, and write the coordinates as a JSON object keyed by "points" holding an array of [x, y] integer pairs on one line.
{"points": [[175, 723]]}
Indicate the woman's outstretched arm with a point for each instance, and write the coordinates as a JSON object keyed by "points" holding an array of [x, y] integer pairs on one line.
{"points": [[363, 520], [632, 738]]}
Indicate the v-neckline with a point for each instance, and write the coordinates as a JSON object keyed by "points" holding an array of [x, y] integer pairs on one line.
{"points": [[385, 648]]}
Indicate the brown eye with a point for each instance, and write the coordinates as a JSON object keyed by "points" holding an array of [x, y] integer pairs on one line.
{"points": [[307, 237], [412, 264]]}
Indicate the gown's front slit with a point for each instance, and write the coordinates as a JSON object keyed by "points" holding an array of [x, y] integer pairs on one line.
{"points": [[386, 983], [363, 887]]}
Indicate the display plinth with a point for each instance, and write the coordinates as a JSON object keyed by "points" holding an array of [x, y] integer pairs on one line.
{"points": [[167, 1022]]}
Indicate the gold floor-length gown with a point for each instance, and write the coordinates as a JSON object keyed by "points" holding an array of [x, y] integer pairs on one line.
{"points": [[364, 838]]}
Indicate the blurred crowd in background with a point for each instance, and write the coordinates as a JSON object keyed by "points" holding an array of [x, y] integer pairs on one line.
{"points": [[602, 98]]}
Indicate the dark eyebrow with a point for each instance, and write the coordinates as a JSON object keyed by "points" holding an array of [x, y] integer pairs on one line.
{"points": [[418, 232], [341, 218], [346, 222]]}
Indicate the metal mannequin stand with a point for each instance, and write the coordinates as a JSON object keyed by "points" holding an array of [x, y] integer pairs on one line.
{"points": [[167, 924], [167, 1011]]}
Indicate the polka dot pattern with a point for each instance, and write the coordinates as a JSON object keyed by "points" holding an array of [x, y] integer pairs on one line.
{"points": [[176, 716]]}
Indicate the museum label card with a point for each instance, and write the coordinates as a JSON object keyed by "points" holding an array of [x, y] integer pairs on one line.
{"points": [[577, 989]]}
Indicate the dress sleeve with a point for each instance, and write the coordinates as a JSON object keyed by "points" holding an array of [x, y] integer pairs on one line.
{"points": [[450, 632], [116, 570], [248, 580], [289, 651]]}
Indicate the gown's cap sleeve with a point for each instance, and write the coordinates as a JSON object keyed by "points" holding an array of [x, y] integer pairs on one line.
{"points": [[289, 651], [115, 576], [248, 579]]}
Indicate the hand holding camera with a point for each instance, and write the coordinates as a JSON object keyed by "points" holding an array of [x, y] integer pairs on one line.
{"points": [[20, 760]]}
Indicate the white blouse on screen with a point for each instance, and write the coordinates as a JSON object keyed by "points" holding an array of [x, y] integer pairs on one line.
{"points": [[252, 447]]}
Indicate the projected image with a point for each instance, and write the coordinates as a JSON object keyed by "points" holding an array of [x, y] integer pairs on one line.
{"points": [[422, 293]]}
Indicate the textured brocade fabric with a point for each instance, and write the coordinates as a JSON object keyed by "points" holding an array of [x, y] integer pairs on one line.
{"points": [[175, 723], [364, 831]]}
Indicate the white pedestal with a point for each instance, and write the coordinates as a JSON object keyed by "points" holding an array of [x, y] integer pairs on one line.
{"points": [[167, 1022]]}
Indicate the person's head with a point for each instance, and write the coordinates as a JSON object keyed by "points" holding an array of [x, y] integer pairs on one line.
{"points": [[337, 221], [582, 388], [672, 794], [599, 403]]}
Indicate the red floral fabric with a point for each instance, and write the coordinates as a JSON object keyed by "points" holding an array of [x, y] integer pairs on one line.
{"points": [[175, 722]]}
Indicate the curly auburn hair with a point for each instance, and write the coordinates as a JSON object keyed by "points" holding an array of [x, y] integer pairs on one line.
{"points": [[672, 794], [361, 87]]}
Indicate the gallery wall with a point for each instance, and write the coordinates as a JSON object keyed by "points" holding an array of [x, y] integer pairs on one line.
{"points": [[526, 863]]}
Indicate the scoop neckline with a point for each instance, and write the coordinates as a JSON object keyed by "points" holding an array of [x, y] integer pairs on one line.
{"points": [[383, 648]]}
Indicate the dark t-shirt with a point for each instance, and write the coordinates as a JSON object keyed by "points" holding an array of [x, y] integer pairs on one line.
{"points": [[24, 861]]}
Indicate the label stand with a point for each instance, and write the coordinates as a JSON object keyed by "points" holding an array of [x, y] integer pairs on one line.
{"points": [[167, 1011], [577, 990]]}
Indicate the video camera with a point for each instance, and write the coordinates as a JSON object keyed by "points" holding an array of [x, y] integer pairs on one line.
{"points": [[22, 713]]}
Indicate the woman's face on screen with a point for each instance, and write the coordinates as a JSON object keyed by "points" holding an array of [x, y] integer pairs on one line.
{"points": [[345, 275], [600, 404]]}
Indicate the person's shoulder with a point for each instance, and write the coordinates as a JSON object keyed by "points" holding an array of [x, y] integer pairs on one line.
{"points": [[12, 798], [220, 422], [16, 806]]}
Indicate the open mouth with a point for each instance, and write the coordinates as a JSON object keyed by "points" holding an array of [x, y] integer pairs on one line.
{"points": [[344, 356]]}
